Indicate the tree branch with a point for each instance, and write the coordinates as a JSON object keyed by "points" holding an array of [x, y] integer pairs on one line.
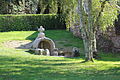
{"points": [[99, 14]]}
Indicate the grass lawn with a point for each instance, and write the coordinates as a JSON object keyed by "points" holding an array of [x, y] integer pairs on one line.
{"points": [[17, 64]]}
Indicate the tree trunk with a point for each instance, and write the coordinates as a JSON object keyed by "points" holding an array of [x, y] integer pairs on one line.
{"points": [[86, 28], [90, 29], [82, 27], [96, 27]]}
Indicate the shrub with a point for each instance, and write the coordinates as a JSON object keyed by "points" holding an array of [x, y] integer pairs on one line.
{"points": [[31, 22]]}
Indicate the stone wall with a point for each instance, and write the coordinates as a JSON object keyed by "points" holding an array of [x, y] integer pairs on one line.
{"points": [[108, 42]]}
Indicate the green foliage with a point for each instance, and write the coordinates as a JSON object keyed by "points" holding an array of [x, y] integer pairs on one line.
{"points": [[3, 5], [69, 10], [31, 22], [119, 3], [104, 13], [51, 5], [64, 7], [108, 15]]}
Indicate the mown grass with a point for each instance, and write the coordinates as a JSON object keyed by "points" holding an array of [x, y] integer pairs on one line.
{"points": [[17, 64]]}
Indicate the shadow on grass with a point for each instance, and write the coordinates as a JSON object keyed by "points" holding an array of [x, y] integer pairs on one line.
{"points": [[32, 36], [109, 57], [17, 69]]}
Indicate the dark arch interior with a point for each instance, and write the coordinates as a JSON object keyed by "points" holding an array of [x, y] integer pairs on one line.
{"points": [[44, 45]]}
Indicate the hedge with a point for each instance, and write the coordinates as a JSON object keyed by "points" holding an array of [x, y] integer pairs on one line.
{"points": [[31, 22]]}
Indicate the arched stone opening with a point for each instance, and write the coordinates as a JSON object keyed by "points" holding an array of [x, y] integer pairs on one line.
{"points": [[45, 45]]}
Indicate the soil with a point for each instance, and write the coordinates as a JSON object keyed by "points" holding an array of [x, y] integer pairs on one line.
{"points": [[26, 44]]}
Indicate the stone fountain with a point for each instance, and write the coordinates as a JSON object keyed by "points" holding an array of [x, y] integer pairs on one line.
{"points": [[43, 45]]}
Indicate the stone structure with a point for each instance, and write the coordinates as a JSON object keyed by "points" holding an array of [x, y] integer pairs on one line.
{"points": [[42, 44], [111, 43], [75, 30], [115, 38]]}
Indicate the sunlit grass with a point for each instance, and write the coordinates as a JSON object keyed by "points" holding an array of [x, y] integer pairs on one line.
{"points": [[17, 64]]}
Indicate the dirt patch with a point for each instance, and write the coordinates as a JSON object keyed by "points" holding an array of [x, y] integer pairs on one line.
{"points": [[26, 44]]}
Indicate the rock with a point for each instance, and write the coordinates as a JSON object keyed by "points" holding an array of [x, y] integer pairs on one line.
{"points": [[39, 51], [68, 54], [47, 52], [55, 52], [76, 52]]}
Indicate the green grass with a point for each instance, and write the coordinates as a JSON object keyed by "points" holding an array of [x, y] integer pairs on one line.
{"points": [[17, 64]]}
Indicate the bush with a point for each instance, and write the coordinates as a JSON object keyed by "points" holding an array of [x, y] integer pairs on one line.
{"points": [[31, 22]]}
